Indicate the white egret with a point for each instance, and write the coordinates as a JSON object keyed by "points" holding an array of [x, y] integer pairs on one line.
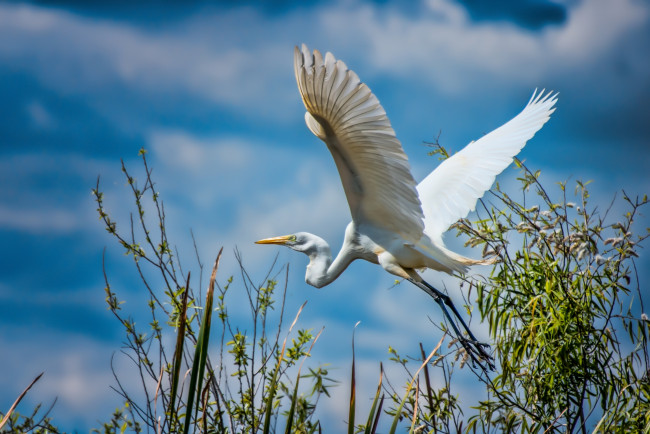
{"points": [[397, 223]]}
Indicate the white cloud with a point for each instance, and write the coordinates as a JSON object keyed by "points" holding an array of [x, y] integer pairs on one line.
{"points": [[74, 54], [251, 73], [185, 152], [275, 187], [596, 28], [445, 48], [38, 220]]}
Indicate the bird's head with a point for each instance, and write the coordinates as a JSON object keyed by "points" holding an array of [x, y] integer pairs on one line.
{"points": [[318, 251], [304, 242]]}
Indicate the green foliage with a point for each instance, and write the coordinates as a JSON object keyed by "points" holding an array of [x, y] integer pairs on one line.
{"points": [[565, 313], [13, 421], [564, 309], [250, 383], [119, 423], [420, 405], [33, 423], [562, 302]]}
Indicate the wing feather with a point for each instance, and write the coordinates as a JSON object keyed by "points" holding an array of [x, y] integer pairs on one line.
{"points": [[451, 191], [374, 170]]}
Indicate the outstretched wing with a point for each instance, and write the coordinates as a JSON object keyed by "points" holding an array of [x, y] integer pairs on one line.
{"points": [[374, 170], [451, 191]]}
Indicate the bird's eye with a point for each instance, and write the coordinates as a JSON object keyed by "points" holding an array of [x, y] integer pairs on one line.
{"points": [[292, 238]]}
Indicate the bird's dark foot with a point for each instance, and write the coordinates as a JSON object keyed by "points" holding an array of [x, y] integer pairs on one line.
{"points": [[477, 352], [474, 349]]}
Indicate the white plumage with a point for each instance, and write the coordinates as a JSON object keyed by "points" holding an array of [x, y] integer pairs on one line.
{"points": [[451, 191], [375, 172], [395, 222]]}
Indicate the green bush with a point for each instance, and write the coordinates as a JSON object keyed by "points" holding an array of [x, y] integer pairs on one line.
{"points": [[562, 302], [564, 308], [251, 383]]}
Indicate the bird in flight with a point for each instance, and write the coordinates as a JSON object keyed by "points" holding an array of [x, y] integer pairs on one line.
{"points": [[396, 222]]}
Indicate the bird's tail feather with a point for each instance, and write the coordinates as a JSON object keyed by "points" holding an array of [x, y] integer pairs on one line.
{"points": [[443, 259]]}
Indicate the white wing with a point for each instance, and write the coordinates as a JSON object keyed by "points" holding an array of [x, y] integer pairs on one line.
{"points": [[374, 170], [451, 191]]}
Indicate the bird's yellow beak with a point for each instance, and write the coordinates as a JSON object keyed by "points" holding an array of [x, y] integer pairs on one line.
{"points": [[276, 240]]}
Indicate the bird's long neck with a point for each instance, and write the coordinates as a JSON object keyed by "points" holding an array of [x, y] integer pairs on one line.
{"points": [[322, 270]]}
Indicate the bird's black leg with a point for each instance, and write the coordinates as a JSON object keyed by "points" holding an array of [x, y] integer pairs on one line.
{"points": [[473, 347]]}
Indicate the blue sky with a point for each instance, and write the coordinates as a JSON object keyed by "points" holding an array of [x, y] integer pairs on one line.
{"points": [[208, 90]]}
